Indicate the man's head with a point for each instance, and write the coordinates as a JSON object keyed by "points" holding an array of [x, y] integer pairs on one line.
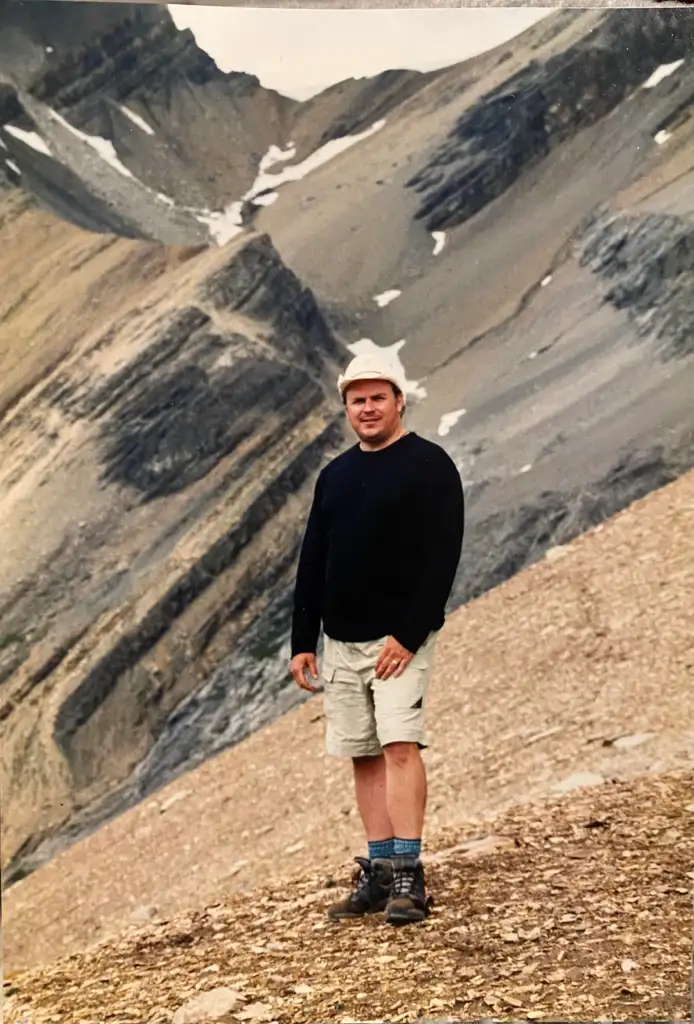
{"points": [[373, 394]]}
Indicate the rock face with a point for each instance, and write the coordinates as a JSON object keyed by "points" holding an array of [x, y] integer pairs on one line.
{"points": [[517, 124], [127, 75], [167, 138], [647, 264], [209, 431], [500, 544]]}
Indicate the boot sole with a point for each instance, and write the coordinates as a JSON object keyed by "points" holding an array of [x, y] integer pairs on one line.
{"points": [[355, 917], [394, 917]]}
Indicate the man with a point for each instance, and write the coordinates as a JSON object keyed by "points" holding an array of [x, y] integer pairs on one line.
{"points": [[378, 560]]}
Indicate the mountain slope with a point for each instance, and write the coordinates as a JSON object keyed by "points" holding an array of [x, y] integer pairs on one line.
{"points": [[175, 446], [558, 375], [526, 924], [607, 692], [175, 139]]}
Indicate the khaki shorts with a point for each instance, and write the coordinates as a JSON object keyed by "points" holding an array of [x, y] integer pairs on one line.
{"points": [[363, 714]]}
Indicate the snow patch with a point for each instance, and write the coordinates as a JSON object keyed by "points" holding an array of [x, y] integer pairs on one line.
{"points": [[103, 147], [2, 143], [439, 241], [139, 121], [392, 352], [225, 224], [661, 137], [13, 166], [49, 49], [449, 420], [664, 71], [295, 172], [165, 199], [545, 281], [29, 138], [275, 155], [526, 468], [267, 199], [386, 297]]}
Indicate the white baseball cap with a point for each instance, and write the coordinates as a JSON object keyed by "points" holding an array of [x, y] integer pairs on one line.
{"points": [[371, 366]]}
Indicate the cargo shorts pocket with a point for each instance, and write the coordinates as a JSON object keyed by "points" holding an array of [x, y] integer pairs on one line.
{"points": [[349, 715]]}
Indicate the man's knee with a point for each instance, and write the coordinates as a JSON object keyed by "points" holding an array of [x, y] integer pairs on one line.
{"points": [[366, 762], [401, 752]]}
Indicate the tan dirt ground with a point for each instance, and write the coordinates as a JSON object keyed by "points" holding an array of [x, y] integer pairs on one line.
{"points": [[583, 910], [584, 662]]}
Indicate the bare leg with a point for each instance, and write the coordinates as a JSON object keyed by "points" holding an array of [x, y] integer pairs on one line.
{"points": [[370, 787], [406, 788]]}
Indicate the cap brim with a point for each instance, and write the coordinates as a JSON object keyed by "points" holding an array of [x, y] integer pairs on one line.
{"points": [[366, 375], [343, 383]]}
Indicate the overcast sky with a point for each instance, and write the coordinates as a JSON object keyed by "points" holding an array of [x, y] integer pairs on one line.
{"points": [[301, 52]]}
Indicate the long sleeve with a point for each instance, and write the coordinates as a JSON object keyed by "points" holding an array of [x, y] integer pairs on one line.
{"points": [[442, 526], [310, 581]]}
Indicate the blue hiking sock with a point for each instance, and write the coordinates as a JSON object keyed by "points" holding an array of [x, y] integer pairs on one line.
{"points": [[407, 847], [380, 848]]}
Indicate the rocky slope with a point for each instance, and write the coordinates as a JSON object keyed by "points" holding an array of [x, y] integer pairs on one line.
{"points": [[544, 331], [520, 122], [575, 673], [181, 447], [122, 124], [525, 926]]}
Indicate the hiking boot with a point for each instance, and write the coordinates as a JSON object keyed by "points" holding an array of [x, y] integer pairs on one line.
{"points": [[408, 900], [372, 881]]}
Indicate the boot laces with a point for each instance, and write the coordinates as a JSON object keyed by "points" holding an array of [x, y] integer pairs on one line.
{"points": [[404, 881]]}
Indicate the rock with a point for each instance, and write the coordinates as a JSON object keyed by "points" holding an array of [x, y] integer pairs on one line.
{"points": [[209, 1006], [129, 76], [260, 1012], [554, 554], [182, 397], [646, 262], [472, 849], [143, 914], [517, 124], [578, 780], [174, 799], [141, 62], [633, 740]]}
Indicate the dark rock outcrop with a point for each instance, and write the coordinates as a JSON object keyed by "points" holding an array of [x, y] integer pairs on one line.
{"points": [[251, 283], [128, 651], [647, 264], [210, 429], [516, 125]]}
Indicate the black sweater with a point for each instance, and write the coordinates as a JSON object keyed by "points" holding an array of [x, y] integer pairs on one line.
{"points": [[381, 547]]}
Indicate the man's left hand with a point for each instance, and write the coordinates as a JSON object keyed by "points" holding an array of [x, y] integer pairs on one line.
{"points": [[393, 659]]}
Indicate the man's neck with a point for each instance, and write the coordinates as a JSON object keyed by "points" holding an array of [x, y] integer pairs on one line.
{"points": [[385, 444]]}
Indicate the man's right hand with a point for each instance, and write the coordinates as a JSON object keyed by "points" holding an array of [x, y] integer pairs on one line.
{"points": [[300, 664]]}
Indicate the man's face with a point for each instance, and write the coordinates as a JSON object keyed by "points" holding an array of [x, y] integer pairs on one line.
{"points": [[373, 411]]}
